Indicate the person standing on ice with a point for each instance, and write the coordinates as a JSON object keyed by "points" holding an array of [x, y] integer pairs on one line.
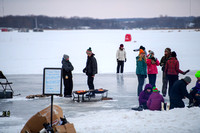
{"points": [[141, 70], [163, 62], [90, 69], [179, 92], [172, 70], [121, 58], [67, 69], [152, 70]]}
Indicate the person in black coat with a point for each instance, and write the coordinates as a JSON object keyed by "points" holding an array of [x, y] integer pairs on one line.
{"points": [[91, 68], [67, 69], [178, 92]]}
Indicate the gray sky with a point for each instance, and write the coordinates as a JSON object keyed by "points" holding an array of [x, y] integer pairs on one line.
{"points": [[101, 8]]}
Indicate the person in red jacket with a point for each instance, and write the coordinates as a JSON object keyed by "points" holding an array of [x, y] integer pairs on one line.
{"points": [[172, 70], [155, 100], [152, 70]]}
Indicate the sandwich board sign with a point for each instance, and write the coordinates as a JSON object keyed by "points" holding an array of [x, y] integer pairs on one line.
{"points": [[52, 81]]}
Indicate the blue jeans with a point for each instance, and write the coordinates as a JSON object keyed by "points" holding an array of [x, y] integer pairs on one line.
{"points": [[141, 79], [152, 79]]}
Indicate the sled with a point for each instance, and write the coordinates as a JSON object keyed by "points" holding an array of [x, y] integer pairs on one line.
{"points": [[82, 95]]}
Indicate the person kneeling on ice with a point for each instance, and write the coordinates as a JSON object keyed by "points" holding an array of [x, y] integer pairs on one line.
{"points": [[195, 92], [155, 100], [179, 92], [144, 96]]}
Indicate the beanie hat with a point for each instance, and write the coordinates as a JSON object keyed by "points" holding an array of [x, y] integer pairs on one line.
{"points": [[197, 75], [168, 50], [151, 52], [173, 54], [121, 45], [65, 56], [155, 89], [89, 49], [142, 51], [187, 79]]}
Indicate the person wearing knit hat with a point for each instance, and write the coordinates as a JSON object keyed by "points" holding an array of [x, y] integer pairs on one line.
{"points": [[179, 92], [141, 70], [155, 100], [121, 58], [172, 70], [152, 70], [67, 69], [91, 69], [163, 61], [141, 48], [195, 91]]}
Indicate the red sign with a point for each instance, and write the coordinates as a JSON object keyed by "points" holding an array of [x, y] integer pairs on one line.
{"points": [[128, 38]]}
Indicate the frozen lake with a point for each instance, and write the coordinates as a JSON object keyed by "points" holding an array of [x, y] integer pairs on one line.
{"points": [[29, 53], [24, 55], [97, 116]]}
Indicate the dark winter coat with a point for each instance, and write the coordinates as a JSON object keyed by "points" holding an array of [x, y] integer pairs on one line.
{"points": [[141, 66], [91, 66], [163, 62], [67, 68], [172, 67], [144, 95], [179, 90], [196, 89], [154, 101]]}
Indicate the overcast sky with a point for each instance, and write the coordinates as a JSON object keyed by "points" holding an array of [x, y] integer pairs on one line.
{"points": [[101, 8]]}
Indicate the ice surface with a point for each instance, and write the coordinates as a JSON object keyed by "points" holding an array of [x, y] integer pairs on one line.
{"points": [[98, 116], [26, 54], [29, 53]]}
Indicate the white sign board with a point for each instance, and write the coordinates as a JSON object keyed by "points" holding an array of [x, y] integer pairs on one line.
{"points": [[52, 81]]}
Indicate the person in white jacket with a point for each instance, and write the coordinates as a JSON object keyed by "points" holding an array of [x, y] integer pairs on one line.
{"points": [[121, 58]]}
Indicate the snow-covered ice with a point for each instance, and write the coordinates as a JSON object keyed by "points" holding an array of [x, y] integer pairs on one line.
{"points": [[24, 55]]}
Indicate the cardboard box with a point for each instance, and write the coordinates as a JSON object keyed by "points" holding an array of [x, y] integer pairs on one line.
{"points": [[35, 123], [67, 128]]}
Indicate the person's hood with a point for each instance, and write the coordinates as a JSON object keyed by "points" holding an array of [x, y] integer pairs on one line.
{"points": [[148, 86]]}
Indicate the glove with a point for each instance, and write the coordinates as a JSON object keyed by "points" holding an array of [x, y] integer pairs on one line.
{"points": [[186, 72], [145, 76], [84, 70], [125, 60], [117, 60]]}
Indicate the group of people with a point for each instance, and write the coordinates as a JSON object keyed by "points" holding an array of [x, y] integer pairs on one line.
{"points": [[146, 65], [90, 70]]}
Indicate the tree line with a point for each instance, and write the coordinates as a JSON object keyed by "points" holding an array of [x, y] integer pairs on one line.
{"points": [[46, 22]]}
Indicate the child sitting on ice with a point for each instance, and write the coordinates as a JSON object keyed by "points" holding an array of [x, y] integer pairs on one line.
{"points": [[155, 99], [195, 92], [143, 97]]}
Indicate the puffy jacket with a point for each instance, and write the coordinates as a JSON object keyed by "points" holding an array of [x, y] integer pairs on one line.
{"points": [[67, 68], [91, 66], [144, 95], [154, 101], [152, 68], [121, 55], [172, 67], [141, 66]]}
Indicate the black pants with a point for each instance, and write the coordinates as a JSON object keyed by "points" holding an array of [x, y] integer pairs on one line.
{"points": [[90, 82], [172, 79], [152, 79], [120, 65], [68, 83], [176, 103]]}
